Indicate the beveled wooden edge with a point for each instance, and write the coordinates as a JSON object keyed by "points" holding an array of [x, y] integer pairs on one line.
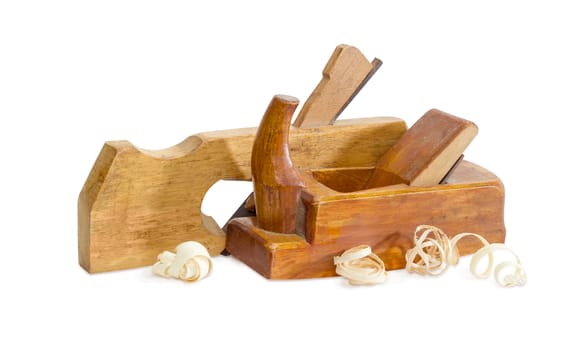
{"points": [[191, 143]]}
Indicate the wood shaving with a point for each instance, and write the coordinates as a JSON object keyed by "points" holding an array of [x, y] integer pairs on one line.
{"points": [[360, 266], [191, 262], [433, 252]]}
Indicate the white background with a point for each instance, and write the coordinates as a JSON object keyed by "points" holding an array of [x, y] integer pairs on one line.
{"points": [[74, 74]]}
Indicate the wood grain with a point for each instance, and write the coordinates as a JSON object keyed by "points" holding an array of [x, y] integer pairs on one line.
{"points": [[136, 203], [385, 218], [426, 152], [345, 74], [276, 183]]}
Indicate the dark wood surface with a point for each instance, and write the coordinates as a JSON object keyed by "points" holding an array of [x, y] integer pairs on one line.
{"points": [[426, 152], [330, 222], [276, 183]]}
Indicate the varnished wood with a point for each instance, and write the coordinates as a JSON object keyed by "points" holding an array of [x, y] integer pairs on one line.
{"points": [[426, 152], [345, 74], [158, 201], [343, 179], [336, 212], [136, 203], [276, 183], [385, 218]]}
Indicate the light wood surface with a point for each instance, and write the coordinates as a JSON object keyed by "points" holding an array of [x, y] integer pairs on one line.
{"points": [[276, 183], [426, 152], [137, 203], [345, 74], [384, 218], [156, 202]]}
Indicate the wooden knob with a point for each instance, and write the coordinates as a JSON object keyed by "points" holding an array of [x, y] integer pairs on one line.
{"points": [[276, 183]]}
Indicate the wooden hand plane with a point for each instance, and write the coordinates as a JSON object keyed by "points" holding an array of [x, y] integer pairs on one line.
{"points": [[306, 217], [137, 203]]}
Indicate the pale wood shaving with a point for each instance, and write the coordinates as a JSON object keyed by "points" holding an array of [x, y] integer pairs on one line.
{"points": [[433, 252], [360, 266], [191, 262]]}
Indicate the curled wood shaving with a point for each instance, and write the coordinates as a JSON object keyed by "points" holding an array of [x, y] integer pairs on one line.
{"points": [[433, 252], [191, 262], [360, 266]]}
